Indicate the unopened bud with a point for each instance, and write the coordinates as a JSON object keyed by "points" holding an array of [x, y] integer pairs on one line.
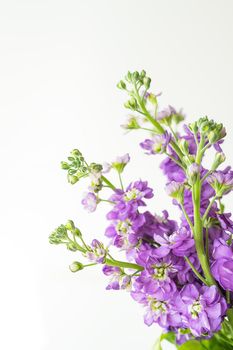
{"points": [[146, 82], [121, 85], [76, 266], [219, 159], [70, 225], [192, 173]]}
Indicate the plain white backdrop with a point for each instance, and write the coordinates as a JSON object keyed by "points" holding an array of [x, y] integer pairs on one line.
{"points": [[59, 65]]}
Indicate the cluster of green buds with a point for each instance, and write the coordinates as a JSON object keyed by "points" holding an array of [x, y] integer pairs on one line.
{"points": [[76, 166], [66, 234], [211, 131], [132, 83]]}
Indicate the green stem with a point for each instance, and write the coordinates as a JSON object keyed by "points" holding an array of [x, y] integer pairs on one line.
{"points": [[198, 223], [108, 182], [123, 264], [209, 208], [156, 124], [187, 217], [195, 270], [122, 187], [175, 160]]}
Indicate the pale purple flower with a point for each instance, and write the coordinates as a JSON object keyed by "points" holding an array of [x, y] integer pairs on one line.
{"points": [[96, 252], [158, 144], [202, 308], [221, 181], [90, 201], [222, 267]]}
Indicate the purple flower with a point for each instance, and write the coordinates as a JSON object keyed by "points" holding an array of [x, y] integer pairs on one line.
{"points": [[181, 243], [176, 190], [202, 308], [163, 312], [115, 273], [120, 162], [221, 181], [90, 201], [225, 222], [167, 112], [222, 267], [124, 232], [97, 252], [158, 144]]}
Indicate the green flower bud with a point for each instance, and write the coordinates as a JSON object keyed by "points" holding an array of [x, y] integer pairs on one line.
{"points": [[131, 104], [76, 266], [73, 179], [193, 127], [135, 76], [143, 74], [65, 165], [121, 85], [183, 144], [219, 159], [152, 99], [192, 173], [71, 246], [147, 82], [131, 124], [76, 153], [70, 225]]}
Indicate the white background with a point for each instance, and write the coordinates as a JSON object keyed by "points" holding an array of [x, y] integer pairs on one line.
{"points": [[59, 65]]}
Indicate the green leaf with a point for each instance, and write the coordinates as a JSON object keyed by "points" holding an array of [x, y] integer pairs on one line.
{"points": [[191, 345], [169, 336]]}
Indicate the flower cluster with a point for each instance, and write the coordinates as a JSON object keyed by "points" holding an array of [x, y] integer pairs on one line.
{"points": [[179, 270]]}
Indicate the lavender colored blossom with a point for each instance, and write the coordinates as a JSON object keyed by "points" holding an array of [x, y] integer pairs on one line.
{"points": [[90, 202], [97, 252], [222, 267], [221, 181], [158, 144], [202, 309]]}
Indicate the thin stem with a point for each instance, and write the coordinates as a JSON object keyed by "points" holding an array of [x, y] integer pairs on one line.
{"points": [[154, 122], [195, 270], [206, 175], [228, 297], [108, 182], [173, 132], [106, 200], [209, 208], [198, 222], [175, 160], [122, 187], [124, 264], [187, 217], [207, 243]]}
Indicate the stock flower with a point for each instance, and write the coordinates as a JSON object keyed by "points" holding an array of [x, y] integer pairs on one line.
{"points": [[97, 252], [222, 267], [90, 201], [181, 243], [222, 182], [158, 144], [202, 308]]}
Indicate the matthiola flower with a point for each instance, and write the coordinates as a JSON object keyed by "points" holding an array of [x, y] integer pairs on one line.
{"points": [[222, 182], [175, 190], [90, 202], [158, 144], [222, 267], [181, 243], [127, 202], [97, 252], [163, 312], [124, 232], [225, 222], [202, 309]]}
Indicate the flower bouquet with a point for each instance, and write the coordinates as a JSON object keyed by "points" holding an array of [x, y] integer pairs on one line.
{"points": [[181, 272]]}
